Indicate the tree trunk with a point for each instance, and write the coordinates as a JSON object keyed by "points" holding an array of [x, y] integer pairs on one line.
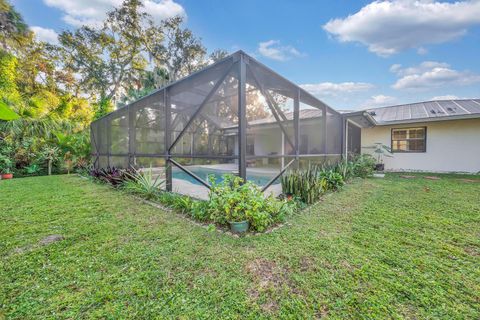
{"points": [[49, 167]]}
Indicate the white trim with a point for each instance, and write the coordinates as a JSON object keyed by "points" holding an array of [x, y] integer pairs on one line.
{"points": [[433, 119]]}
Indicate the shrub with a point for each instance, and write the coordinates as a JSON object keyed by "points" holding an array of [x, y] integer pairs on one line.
{"points": [[306, 184], [363, 165], [5, 164], [345, 168], [32, 169], [143, 183], [233, 200], [200, 210], [333, 179], [113, 176]]}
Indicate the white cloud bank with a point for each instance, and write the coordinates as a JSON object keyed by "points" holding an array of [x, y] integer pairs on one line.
{"points": [[379, 101], [431, 74], [93, 12], [273, 49], [335, 89], [45, 34], [388, 27]]}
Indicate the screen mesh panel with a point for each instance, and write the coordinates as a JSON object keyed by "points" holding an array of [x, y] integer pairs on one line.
{"points": [[334, 133], [210, 131], [269, 117], [198, 117], [312, 130]]}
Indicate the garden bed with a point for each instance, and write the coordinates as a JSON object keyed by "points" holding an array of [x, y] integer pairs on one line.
{"points": [[237, 205]]}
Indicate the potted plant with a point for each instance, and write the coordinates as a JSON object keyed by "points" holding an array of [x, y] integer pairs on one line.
{"points": [[236, 215], [239, 223], [380, 151], [6, 167]]}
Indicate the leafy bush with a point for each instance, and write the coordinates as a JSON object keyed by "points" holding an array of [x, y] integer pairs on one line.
{"points": [[113, 176], [232, 200], [306, 184], [345, 168], [32, 169], [200, 211], [333, 179], [197, 209], [5, 164], [363, 165], [143, 183]]}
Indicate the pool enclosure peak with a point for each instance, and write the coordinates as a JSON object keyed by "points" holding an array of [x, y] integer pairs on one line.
{"points": [[235, 116]]}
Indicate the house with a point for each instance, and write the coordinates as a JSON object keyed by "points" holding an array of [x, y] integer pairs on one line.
{"points": [[239, 116], [440, 136]]}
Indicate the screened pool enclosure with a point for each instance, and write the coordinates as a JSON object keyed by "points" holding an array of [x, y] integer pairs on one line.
{"points": [[236, 116]]}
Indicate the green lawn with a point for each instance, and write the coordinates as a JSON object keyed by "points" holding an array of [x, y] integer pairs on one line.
{"points": [[380, 248]]}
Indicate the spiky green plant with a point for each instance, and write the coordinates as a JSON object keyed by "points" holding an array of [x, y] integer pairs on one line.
{"points": [[306, 184], [144, 184]]}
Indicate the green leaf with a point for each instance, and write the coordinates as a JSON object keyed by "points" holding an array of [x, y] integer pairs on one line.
{"points": [[6, 113]]}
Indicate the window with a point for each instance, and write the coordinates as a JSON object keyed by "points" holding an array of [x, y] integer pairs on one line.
{"points": [[409, 140]]}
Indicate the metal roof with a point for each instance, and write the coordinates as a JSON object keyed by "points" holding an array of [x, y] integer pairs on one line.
{"points": [[426, 111]]}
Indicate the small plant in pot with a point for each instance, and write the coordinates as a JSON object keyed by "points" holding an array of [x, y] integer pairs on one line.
{"points": [[238, 222], [380, 151], [6, 167]]}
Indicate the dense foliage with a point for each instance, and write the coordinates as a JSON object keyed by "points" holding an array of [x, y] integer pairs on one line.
{"points": [[308, 184], [231, 200], [49, 94]]}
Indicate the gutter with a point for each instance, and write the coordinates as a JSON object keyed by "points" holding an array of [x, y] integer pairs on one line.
{"points": [[432, 119]]}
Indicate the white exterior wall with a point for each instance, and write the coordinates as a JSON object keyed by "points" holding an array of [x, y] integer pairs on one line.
{"points": [[452, 146]]}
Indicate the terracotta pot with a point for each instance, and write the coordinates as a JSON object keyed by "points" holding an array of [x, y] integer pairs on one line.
{"points": [[6, 176]]}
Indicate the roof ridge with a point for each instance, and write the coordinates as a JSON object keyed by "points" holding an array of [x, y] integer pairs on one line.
{"points": [[418, 102]]}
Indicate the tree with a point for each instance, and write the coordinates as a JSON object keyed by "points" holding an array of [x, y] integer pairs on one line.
{"points": [[218, 55], [108, 59], [13, 29], [182, 53]]}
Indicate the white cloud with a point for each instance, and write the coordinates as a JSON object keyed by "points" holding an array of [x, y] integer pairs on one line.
{"points": [[379, 101], [422, 51], [388, 27], [93, 12], [274, 50], [45, 34], [431, 74], [446, 97], [335, 89]]}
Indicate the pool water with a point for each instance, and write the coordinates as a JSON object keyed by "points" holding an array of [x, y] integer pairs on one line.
{"points": [[204, 173]]}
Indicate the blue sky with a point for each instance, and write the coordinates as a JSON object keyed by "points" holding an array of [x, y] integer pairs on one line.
{"points": [[351, 54]]}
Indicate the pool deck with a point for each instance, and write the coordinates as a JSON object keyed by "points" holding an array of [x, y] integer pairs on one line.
{"points": [[200, 192]]}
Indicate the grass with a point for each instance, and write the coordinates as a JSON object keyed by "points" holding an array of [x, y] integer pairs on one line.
{"points": [[380, 248]]}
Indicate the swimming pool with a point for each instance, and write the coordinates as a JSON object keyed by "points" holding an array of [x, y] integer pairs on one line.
{"points": [[204, 173]]}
